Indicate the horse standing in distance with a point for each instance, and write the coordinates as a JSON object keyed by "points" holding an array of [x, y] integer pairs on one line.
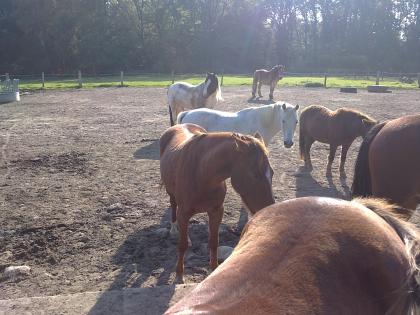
{"points": [[266, 120], [194, 166], [316, 255], [183, 96], [388, 164], [337, 128], [266, 77]]}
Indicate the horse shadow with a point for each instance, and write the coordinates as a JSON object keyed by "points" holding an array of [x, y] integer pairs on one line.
{"points": [[148, 152], [147, 258], [306, 186], [260, 100]]}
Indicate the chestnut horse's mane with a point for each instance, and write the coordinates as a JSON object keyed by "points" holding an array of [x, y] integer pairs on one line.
{"points": [[395, 216], [357, 113]]}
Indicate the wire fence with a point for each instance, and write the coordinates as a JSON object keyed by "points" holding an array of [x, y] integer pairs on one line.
{"points": [[136, 78]]}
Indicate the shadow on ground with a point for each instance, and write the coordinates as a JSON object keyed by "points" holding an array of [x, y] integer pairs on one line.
{"points": [[150, 151]]}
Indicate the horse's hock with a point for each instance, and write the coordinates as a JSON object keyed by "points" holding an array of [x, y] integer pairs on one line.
{"points": [[9, 91]]}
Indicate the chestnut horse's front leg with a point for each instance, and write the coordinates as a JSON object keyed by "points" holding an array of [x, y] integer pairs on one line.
{"points": [[182, 246], [215, 218], [344, 149], [333, 149], [272, 86]]}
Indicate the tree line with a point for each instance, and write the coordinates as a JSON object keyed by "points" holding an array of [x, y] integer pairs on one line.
{"points": [[100, 36]]}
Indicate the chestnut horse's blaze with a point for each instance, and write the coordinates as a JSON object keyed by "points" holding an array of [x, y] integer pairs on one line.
{"points": [[388, 164], [194, 166], [316, 256]]}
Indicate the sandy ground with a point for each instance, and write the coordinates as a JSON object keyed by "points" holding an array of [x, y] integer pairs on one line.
{"points": [[80, 198]]}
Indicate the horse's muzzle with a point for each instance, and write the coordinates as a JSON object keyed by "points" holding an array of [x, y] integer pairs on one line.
{"points": [[288, 144]]}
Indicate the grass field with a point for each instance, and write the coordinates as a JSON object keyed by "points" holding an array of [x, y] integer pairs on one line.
{"points": [[228, 80]]}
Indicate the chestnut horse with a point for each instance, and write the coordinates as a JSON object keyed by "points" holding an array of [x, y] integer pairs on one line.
{"points": [[316, 255], [388, 164], [270, 78], [337, 128], [194, 166]]}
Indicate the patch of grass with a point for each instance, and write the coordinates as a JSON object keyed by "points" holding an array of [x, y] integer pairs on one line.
{"points": [[228, 80]]}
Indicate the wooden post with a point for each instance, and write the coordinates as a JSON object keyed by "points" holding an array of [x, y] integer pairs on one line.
{"points": [[418, 79], [325, 80], [223, 74], [7, 76], [79, 78], [173, 76], [43, 79], [122, 78], [378, 73]]}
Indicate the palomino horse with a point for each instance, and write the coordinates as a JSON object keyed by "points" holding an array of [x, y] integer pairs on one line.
{"points": [[266, 120], [316, 255], [184, 96], [270, 78], [388, 164], [340, 127], [194, 166]]}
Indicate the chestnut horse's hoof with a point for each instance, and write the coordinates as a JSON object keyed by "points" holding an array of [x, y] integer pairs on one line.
{"points": [[179, 279]]}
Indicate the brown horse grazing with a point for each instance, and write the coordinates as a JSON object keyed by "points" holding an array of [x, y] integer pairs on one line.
{"points": [[270, 78], [388, 164], [194, 166], [340, 127], [316, 255]]}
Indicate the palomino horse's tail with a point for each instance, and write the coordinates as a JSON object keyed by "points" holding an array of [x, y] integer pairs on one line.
{"points": [[170, 116], [301, 142], [361, 181], [409, 295]]}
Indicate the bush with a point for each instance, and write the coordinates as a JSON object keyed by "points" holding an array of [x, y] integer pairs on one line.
{"points": [[314, 84]]}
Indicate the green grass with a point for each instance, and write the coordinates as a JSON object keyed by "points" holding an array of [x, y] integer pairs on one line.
{"points": [[229, 80]]}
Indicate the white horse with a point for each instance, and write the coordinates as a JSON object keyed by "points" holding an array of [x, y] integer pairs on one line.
{"points": [[183, 96], [267, 120]]}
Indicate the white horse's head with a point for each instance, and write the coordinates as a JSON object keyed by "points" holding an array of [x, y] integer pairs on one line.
{"points": [[289, 119]]}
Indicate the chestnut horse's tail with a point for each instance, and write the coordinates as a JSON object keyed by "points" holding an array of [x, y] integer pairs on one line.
{"points": [[408, 301], [361, 181], [170, 116]]}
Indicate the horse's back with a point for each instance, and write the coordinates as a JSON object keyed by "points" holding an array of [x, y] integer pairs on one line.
{"points": [[308, 256], [211, 120]]}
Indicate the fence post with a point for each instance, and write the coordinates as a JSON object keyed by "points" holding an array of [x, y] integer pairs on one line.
{"points": [[173, 76], [378, 73], [7, 76], [418, 79], [223, 74], [43, 79], [122, 78], [325, 80], [79, 78]]}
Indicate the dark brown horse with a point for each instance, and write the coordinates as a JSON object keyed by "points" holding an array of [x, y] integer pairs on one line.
{"points": [[337, 128], [388, 164], [270, 78], [194, 166], [316, 256]]}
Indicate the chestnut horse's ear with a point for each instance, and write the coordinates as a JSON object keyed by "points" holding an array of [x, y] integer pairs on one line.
{"points": [[283, 106], [297, 107], [259, 137]]}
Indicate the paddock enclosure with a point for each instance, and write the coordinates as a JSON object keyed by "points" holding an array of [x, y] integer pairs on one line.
{"points": [[81, 202]]}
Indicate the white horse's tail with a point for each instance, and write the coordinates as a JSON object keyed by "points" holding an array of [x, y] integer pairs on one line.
{"points": [[170, 115], [181, 116]]}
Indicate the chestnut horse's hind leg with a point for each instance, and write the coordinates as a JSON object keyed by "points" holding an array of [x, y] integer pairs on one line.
{"points": [[307, 152], [182, 248], [259, 89], [174, 233], [344, 149], [333, 149], [215, 218], [271, 96]]}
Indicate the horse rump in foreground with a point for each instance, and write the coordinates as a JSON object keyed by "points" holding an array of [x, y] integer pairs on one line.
{"points": [[183, 96], [266, 77], [388, 164], [194, 165], [337, 128], [266, 120], [316, 255]]}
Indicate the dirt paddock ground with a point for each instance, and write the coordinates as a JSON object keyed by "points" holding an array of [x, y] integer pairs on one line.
{"points": [[81, 202]]}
